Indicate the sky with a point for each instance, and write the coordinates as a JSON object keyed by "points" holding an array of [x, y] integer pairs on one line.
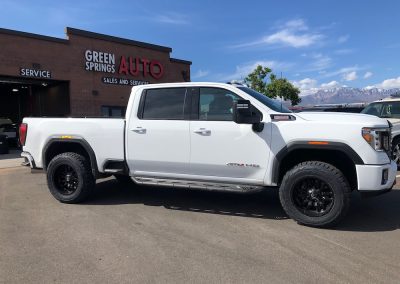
{"points": [[315, 44]]}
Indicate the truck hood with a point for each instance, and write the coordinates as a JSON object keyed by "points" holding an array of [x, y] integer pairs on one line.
{"points": [[334, 117]]}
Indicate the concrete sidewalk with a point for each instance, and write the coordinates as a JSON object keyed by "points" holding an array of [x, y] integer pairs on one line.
{"points": [[11, 160]]}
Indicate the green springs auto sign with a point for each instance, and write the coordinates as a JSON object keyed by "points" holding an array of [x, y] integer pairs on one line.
{"points": [[105, 62]]}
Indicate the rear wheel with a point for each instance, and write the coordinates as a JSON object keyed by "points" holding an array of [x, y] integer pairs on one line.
{"points": [[315, 194], [69, 178]]}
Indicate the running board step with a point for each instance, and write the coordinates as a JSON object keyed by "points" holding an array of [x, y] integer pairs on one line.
{"points": [[113, 171], [198, 184]]}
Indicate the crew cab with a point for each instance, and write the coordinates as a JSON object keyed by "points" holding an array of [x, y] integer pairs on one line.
{"points": [[217, 136]]}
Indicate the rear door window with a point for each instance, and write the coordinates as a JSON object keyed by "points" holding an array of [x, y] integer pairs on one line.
{"points": [[164, 104]]}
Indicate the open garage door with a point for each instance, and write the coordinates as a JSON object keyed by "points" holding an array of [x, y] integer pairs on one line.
{"points": [[21, 97]]}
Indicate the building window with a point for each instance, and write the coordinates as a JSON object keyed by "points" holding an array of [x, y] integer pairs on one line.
{"points": [[113, 111]]}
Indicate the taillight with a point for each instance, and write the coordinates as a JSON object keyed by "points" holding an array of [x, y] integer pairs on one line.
{"points": [[23, 130]]}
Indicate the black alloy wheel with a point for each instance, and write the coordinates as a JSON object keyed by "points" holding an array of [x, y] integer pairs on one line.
{"points": [[66, 179], [315, 193], [313, 197], [396, 152], [70, 178]]}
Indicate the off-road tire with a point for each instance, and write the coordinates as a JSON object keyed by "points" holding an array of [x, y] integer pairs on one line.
{"points": [[328, 174], [396, 151], [80, 166]]}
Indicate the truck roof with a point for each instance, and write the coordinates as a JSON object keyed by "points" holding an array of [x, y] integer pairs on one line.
{"points": [[186, 84]]}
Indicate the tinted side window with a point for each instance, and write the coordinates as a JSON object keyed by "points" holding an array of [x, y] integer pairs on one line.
{"points": [[165, 104], [216, 104], [391, 110]]}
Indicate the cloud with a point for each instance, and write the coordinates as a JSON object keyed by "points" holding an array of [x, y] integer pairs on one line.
{"points": [[320, 62], [343, 39], [331, 84], [351, 76], [294, 33], [244, 69], [288, 38], [390, 83], [367, 75], [305, 84], [171, 18], [343, 71], [309, 86], [296, 24], [200, 74]]}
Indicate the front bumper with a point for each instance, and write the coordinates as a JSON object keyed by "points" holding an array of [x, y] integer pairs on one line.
{"points": [[372, 178]]}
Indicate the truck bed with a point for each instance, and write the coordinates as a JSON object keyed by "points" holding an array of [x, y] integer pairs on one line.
{"points": [[104, 135]]}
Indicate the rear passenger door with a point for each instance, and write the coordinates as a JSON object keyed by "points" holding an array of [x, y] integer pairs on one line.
{"points": [[158, 136]]}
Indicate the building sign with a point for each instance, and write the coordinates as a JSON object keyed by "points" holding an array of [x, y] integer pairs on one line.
{"points": [[123, 82], [135, 66], [35, 73], [98, 61]]}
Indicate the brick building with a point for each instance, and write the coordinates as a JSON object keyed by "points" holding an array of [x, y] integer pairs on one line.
{"points": [[87, 74]]}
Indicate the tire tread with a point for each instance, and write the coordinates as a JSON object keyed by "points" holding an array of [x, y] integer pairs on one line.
{"points": [[336, 173]]}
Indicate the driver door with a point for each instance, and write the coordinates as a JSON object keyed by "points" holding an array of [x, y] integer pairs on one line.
{"points": [[221, 149]]}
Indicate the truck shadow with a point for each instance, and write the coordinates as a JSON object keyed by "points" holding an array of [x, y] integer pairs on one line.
{"points": [[381, 213], [257, 205]]}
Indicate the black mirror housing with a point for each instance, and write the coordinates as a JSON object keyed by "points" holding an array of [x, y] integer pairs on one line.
{"points": [[245, 113]]}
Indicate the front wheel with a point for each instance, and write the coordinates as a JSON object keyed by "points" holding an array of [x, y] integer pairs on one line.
{"points": [[69, 178], [396, 152], [315, 194]]}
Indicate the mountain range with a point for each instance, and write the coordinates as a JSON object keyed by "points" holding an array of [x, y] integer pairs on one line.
{"points": [[347, 95]]}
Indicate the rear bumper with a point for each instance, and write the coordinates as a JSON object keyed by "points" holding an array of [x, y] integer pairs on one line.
{"points": [[376, 178], [28, 160]]}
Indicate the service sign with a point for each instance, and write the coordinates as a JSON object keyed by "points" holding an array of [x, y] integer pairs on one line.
{"points": [[35, 73], [130, 66], [123, 82]]}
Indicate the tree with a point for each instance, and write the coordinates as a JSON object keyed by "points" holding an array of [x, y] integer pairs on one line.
{"points": [[275, 88]]}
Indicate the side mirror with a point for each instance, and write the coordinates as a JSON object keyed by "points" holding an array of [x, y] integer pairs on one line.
{"points": [[245, 113]]}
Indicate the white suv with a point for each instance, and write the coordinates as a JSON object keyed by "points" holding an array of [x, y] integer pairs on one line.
{"points": [[389, 109]]}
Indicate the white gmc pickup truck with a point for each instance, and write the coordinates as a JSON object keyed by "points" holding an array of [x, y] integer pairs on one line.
{"points": [[218, 137]]}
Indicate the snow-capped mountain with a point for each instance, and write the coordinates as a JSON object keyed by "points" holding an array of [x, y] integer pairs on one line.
{"points": [[347, 95]]}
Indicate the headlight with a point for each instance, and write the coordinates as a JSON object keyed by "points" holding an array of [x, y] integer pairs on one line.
{"points": [[378, 138]]}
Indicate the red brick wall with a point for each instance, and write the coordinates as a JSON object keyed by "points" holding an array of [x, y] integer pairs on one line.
{"points": [[66, 61]]}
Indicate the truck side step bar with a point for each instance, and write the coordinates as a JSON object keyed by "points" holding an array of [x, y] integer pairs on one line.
{"points": [[193, 184], [114, 171]]}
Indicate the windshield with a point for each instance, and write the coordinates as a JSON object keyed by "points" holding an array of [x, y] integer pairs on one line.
{"points": [[272, 104], [373, 109]]}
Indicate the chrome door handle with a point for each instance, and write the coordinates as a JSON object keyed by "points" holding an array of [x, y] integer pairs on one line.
{"points": [[203, 131], [139, 130]]}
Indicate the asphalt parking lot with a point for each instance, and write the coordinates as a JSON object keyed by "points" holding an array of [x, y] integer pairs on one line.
{"points": [[163, 235]]}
